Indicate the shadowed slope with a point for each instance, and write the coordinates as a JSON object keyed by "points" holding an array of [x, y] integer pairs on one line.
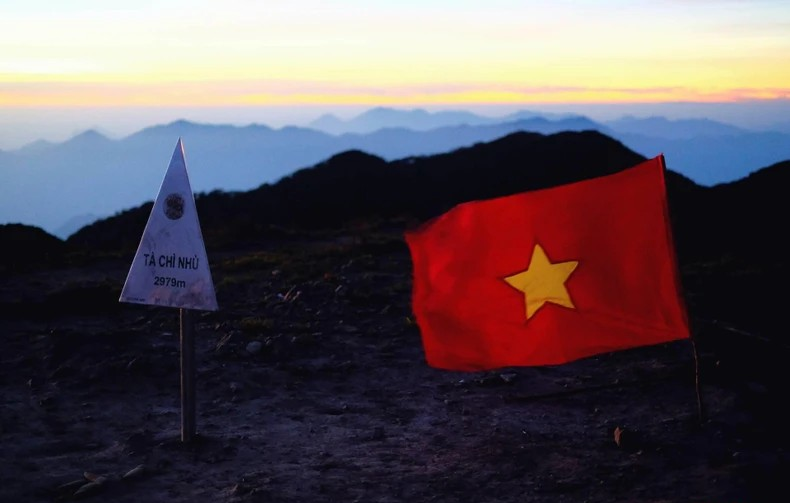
{"points": [[354, 186]]}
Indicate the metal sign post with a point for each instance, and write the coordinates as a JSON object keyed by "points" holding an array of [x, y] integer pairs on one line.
{"points": [[188, 422]]}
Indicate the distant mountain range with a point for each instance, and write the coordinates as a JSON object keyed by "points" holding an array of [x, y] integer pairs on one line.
{"points": [[417, 120], [61, 187], [355, 189]]}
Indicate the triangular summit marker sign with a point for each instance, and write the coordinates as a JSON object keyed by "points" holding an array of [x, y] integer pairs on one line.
{"points": [[170, 267]]}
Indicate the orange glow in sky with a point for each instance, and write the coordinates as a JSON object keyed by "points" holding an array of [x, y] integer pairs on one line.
{"points": [[428, 52]]}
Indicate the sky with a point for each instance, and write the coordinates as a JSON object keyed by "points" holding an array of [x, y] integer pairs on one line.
{"points": [[120, 65]]}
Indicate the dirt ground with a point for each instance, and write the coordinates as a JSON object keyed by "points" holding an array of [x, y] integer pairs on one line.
{"points": [[312, 387]]}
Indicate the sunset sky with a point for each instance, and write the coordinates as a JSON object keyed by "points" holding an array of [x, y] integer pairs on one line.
{"points": [[288, 54]]}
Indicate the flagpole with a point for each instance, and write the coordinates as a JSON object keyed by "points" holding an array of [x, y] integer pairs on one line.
{"points": [[700, 405], [187, 376]]}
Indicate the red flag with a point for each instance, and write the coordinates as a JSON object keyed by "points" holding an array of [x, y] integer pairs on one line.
{"points": [[549, 276]]}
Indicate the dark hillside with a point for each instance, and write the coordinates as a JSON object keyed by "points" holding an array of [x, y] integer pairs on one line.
{"points": [[736, 236], [749, 215], [25, 247], [355, 186]]}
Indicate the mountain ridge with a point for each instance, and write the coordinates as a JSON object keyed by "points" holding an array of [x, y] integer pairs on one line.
{"points": [[91, 174], [357, 186]]}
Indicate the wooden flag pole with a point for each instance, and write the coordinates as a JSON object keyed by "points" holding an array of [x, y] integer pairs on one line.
{"points": [[700, 405], [187, 376]]}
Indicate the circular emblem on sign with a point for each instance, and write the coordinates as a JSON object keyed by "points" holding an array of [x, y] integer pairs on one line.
{"points": [[174, 206]]}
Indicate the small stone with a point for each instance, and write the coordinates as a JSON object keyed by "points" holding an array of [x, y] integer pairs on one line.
{"points": [[254, 347], [93, 477], [135, 473], [89, 489], [618, 436], [70, 487], [627, 439], [508, 377], [240, 489]]}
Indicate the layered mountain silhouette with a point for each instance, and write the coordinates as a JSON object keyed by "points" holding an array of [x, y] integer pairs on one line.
{"points": [[682, 129], [354, 186], [418, 120], [60, 187], [740, 218]]}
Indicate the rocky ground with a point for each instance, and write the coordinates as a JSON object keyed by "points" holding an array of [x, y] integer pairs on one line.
{"points": [[312, 387]]}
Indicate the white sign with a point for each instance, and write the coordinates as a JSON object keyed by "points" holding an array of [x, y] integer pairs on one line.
{"points": [[170, 267]]}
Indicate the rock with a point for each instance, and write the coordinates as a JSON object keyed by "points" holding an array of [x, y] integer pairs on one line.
{"points": [[89, 489], [70, 487], [626, 439], [493, 380], [618, 436], [95, 485], [508, 377], [135, 473], [223, 341], [254, 347], [132, 365], [93, 477], [240, 489]]}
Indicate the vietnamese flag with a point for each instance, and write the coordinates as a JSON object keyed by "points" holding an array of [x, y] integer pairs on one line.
{"points": [[549, 276]]}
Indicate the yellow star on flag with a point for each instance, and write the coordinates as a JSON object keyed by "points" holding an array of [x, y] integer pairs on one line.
{"points": [[543, 282]]}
